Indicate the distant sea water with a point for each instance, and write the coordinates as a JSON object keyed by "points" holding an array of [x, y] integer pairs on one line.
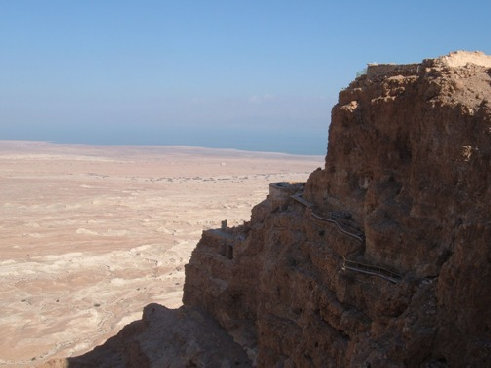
{"points": [[294, 141]]}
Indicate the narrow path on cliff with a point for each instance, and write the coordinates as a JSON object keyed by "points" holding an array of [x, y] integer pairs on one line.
{"points": [[370, 270], [347, 263], [333, 217]]}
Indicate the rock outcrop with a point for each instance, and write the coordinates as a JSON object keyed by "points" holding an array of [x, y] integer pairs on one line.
{"points": [[383, 259], [171, 338]]}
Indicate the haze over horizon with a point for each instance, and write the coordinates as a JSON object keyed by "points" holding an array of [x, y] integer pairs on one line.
{"points": [[257, 75]]}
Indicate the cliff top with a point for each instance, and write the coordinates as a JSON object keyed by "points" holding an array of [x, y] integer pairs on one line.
{"points": [[461, 58], [461, 77], [455, 59]]}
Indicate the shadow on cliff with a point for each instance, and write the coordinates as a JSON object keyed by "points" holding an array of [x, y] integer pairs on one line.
{"points": [[184, 337]]}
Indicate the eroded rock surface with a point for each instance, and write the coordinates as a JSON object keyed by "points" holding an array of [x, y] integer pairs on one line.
{"points": [[173, 338], [383, 259]]}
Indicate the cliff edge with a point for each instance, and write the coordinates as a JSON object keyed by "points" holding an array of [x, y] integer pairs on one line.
{"points": [[381, 259]]}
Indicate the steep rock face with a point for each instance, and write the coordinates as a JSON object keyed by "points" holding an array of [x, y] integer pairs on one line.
{"points": [[171, 338], [383, 259]]}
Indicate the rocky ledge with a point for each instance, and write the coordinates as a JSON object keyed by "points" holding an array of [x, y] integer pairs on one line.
{"points": [[382, 259]]}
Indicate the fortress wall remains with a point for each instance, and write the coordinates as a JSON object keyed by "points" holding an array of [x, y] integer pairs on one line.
{"points": [[375, 71]]}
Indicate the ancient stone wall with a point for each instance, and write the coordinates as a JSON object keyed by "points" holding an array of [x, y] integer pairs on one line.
{"points": [[375, 71]]}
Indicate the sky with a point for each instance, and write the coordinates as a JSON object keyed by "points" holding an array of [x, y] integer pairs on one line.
{"points": [[257, 75]]}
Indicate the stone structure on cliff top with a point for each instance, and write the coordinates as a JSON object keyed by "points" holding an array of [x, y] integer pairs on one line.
{"points": [[382, 259]]}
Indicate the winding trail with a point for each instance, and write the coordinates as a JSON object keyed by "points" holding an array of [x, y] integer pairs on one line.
{"points": [[370, 270], [332, 219], [349, 264]]}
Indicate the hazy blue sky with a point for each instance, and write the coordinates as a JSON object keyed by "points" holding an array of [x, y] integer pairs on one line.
{"points": [[246, 74]]}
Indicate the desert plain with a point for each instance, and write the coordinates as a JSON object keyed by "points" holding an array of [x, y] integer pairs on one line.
{"points": [[89, 235]]}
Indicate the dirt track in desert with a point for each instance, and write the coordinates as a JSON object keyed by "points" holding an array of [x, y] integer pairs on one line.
{"points": [[89, 235]]}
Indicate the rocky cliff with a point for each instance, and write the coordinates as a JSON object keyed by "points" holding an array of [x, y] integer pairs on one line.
{"points": [[382, 259]]}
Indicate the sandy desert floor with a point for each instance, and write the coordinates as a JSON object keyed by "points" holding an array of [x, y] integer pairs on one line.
{"points": [[90, 235]]}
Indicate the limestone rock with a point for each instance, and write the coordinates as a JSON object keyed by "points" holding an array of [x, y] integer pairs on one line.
{"points": [[408, 173]]}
